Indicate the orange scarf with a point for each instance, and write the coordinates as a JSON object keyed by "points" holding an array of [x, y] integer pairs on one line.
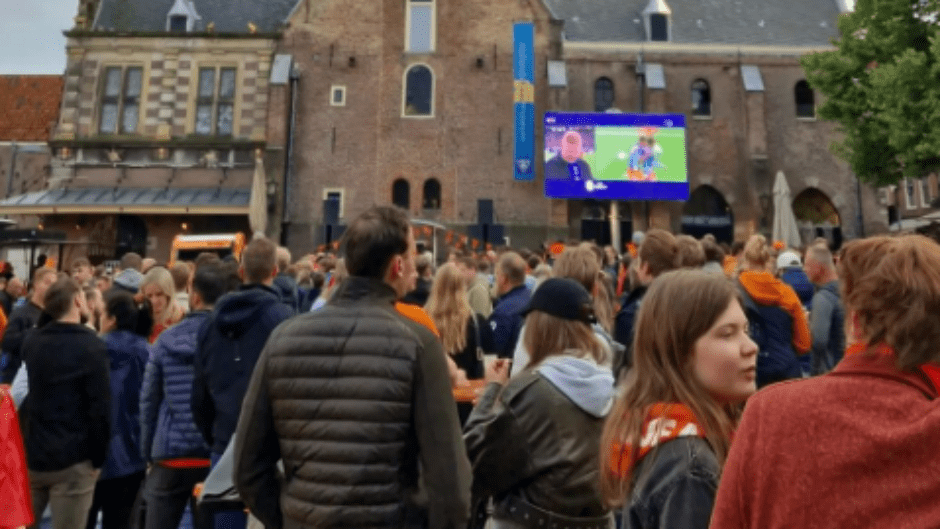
{"points": [[16, 506], [932, 371], [664, 422]]}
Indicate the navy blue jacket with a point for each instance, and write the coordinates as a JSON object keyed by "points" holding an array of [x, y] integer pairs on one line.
{"points": [[771, 328], [127, 353], [623, 329], [166, 417], [229, 344], [286, 287], [506, 320], [797, 278]]}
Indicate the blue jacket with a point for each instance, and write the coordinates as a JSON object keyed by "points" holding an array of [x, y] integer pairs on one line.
{"points": [[229, 345], [166, 418], [127, 353], [506, 320], [797, 278], [771, 328]]}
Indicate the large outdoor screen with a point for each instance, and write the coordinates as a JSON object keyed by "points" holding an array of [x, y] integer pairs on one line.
{"points": [[615, 156]]}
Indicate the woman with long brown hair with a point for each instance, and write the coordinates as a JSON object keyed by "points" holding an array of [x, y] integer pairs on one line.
{"points": [[533, 440], [668, 435], [465, 335], [856, 447]]}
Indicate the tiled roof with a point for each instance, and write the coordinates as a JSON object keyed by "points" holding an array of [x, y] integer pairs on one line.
{"points": [[29, 106], [227, 16], [734, 22]]}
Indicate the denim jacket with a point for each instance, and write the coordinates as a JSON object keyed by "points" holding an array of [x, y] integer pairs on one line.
{"points": [[674, 486]]}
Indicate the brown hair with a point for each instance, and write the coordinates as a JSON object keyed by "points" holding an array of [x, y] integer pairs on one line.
{"points": [[373, 239], [259, 260], [659, 251], [59, 297], [713, 252], [180, 272], [678, 309], [897, 299], [756, 253], [578, 263], [857, 258], [546, 335], [691, 253], [449, 307]]}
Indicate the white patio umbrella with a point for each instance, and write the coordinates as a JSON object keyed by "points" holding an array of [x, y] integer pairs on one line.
{"points": [[258, 203], [784, 229]]}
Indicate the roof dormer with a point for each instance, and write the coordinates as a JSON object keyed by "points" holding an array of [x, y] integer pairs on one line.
{"points": [[182, 17], [657, 17]]}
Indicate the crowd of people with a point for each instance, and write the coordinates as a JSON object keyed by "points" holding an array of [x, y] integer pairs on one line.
{"points": [[683, 383]]}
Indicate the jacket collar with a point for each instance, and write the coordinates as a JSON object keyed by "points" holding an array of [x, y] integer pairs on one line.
{"points": [[513, 291], [877, 364], [355, 288]]}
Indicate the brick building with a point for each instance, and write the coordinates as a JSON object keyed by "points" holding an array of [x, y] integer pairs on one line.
{"points": [[163, 124]]}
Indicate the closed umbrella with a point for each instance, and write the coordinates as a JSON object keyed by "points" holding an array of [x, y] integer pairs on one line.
{"points": [[258, 204], [785, 229]]}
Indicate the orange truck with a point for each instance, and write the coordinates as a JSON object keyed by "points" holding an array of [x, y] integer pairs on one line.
{"points": [[188, 247]]}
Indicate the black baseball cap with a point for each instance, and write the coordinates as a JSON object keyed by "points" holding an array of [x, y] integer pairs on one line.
{"points": [[563, 298]]}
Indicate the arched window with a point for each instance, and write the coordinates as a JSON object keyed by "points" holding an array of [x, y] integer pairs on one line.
{"points": [[805, 100], [701, 98], [419, 91], [401, 194], [432, 194], [603, 94]]}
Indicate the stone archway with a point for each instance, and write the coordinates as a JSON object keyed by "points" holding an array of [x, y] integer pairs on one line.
{"points": [[707, 211], [816, 216]]}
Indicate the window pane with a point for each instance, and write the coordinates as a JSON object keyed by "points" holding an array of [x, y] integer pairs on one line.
{"points": [[112, 85], [658, 27], [132, 83], [204, 119], [401, 194], [418, 92], [109, 118], [701, 99], [206, 82], [603, 94], [227, 83], [178, 23], [225, 120], [432, 194], [805, 100], [419, 39], [129, 118], [338, 96]]}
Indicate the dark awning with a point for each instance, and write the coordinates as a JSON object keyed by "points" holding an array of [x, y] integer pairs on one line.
{"points": [[159, 201]]}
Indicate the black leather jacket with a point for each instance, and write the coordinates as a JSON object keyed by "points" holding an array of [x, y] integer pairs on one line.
{"points": [[528, 440], [674, 486]]}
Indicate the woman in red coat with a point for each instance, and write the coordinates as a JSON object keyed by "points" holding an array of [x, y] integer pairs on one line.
{"points": [[15, 503], [857, 447]]}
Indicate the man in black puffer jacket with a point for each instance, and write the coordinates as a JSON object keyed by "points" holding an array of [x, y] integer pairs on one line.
{"points": [[229, 343], [352, 398]]}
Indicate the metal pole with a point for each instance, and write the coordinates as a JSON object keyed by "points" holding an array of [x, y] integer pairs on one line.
{"points": [[289, 165], [641, 103], [858, 208]]}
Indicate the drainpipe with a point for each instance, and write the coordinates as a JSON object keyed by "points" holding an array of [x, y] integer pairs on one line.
{"points": [[289, 163], [15, 148]]}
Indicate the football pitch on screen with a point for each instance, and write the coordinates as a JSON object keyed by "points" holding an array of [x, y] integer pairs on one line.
{"points": [[612, 154]]}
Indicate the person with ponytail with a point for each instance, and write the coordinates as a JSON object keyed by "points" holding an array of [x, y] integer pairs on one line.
{"points": [[667, 436], [125, 326], [778, 321], [856, 447]]}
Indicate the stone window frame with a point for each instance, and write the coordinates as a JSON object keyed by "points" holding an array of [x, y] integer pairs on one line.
{"points": [[910, 192], [327, 191], [333, 91], [121, 99], [215, 100], [404, 92], [924, 185], [704, 87], [801, 104], [433, 37]]}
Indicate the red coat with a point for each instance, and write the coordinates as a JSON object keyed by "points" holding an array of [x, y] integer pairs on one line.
{"points": [[16, 506], [859, 447]]}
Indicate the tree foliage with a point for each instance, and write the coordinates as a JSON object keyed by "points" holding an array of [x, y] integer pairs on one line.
{"points": [[882, 86]]}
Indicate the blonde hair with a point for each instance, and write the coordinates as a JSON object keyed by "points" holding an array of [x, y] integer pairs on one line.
{"points": [[449, 307], [756, 253], [546, 335], [581, 263], [679, 308], [161, 277]]}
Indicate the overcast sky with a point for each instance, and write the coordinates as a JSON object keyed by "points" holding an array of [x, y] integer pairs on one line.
{"points": [[31, 39]]}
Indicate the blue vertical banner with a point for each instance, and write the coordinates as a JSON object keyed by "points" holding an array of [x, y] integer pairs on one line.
{"points": [[523, 37]]}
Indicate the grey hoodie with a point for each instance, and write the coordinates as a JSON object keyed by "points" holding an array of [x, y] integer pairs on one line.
{"points": [[588, 385]]}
